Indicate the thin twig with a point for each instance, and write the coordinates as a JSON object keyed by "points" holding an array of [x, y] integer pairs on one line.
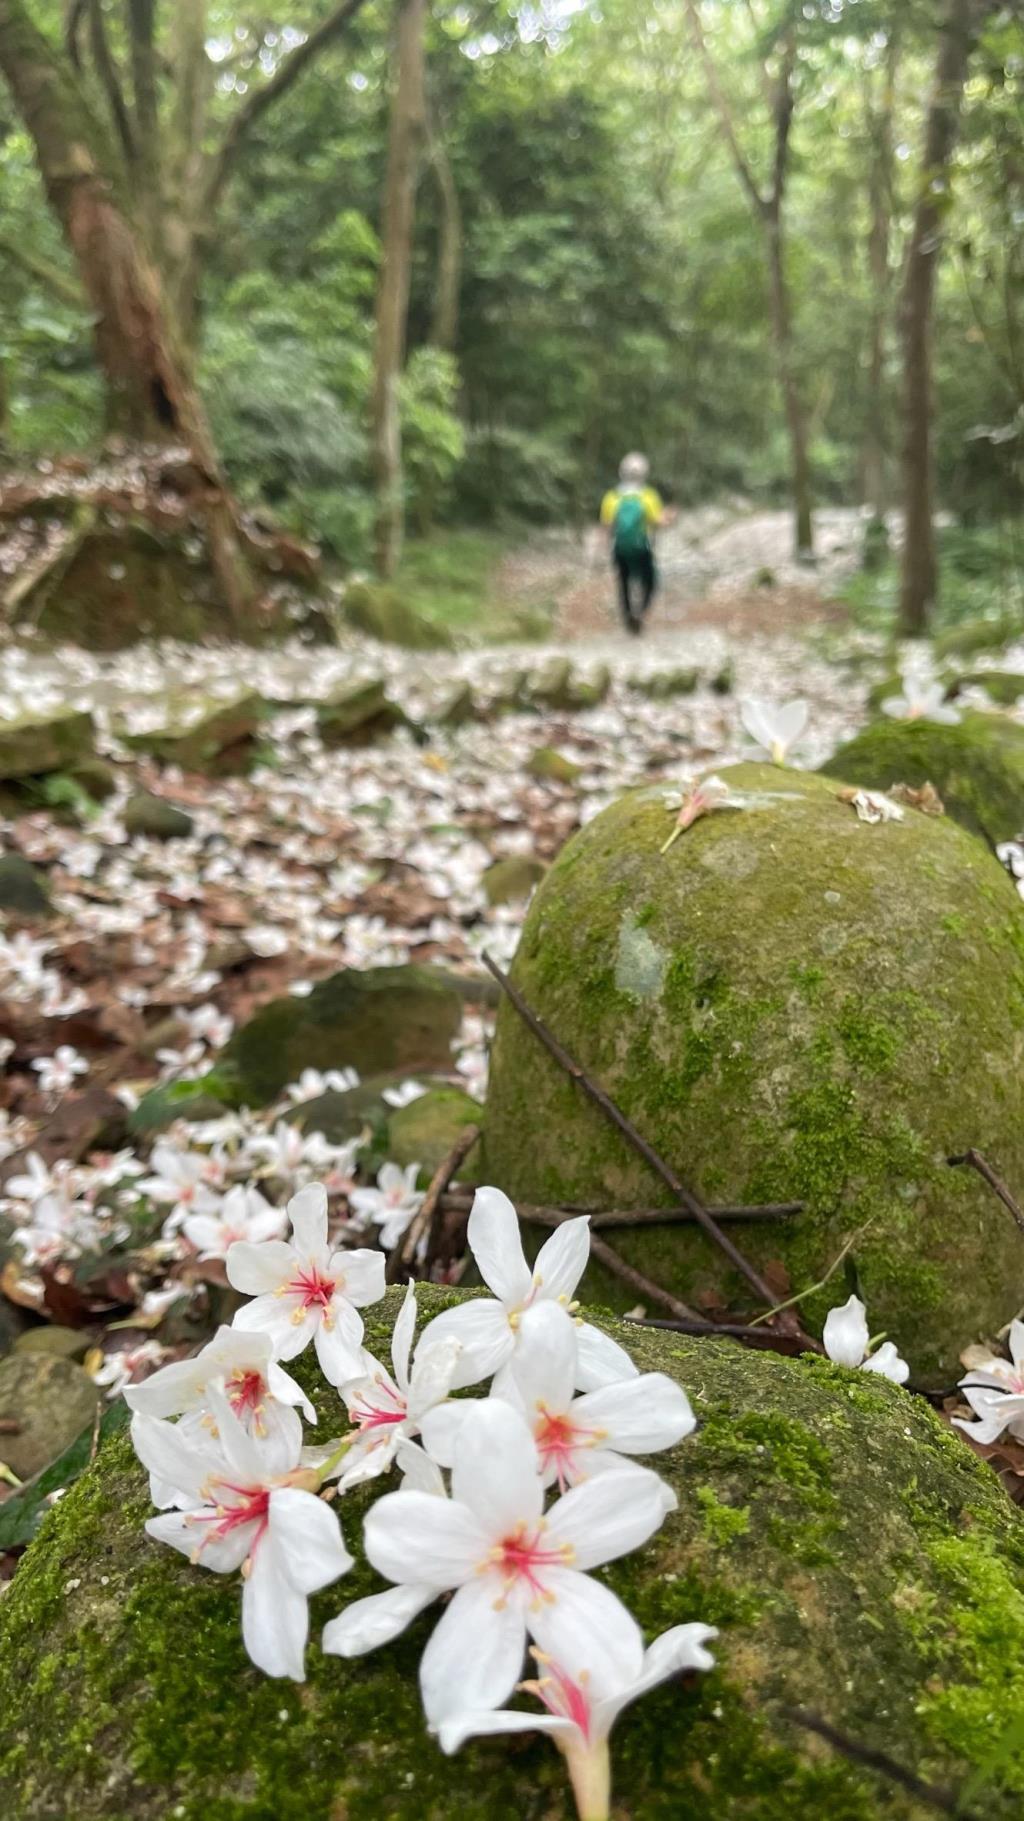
{"points": [[984, 1168], [96, 1421], [629, 1131], [812, 1289], [9, 1425], [768, 1338], [931, 1794], [456, 1200], [652, 1292], [423, 1221]]}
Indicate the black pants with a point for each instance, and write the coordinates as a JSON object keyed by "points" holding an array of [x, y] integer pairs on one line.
{"points": [[637, 582]]}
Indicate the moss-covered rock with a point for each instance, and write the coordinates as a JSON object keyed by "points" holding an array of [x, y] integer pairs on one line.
{"points": [[660, 684], [552, 686], [976, 765], [985, 632], [217, 738], [383, 1020], [23, 891], [512, 878], [549, 766], [146, 814], [1004, 687], [50, 1400], [425, 1131], [359, 714], [590, 692], [378, 610], [855, 1556], [35, 744], [456, 706], [789, 1004]]}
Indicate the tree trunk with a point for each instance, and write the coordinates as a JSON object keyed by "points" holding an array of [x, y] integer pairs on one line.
{"points": [[875, 451], [792, 400], [919, 572], [185, 233], [150, 386], [405, 132], [445, 326]]}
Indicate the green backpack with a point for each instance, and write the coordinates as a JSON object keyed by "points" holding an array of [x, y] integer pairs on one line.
{"points": [[631, 539]]}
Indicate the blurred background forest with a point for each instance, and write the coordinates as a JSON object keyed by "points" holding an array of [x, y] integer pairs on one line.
{"points": [[708, 230]]}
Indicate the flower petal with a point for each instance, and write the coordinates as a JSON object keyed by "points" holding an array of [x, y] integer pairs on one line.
{"points": [[360, 1275], [377, 1620], [287, 1390], [681, 1648], [273, 1315], [562, 1259], [222, 1554], [495, 1243], [481, 1327], [432, 1377], [307, 1538], [587, 1630], [256, 1269], [1017, 1342], [600, 1360], [845, 1334], [454, 1732], [401, 1338], [475, 1654], [173, 1458], [414, 1537], [544, 1362], [495, 1470], [638, 1415], [440, 1429], [307, 1212], [275, 1615], [887, 1361], [339, 1347], [609, 1515], [167, 1392]]}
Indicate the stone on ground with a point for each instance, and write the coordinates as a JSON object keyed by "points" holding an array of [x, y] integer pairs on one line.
{"points": [[663, 683], [552, 767], [51, 1400], [976, 765], [33, 745], [552, 686], [510, 880], [383, 1020], [790, 1004], [23, 891], [1004, 687], [426, 1130], [218, 738], [146, 814], [359, 715], [854, 1555]]}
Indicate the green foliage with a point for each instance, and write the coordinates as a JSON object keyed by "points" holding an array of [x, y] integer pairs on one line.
{"points": [[981, 587]]}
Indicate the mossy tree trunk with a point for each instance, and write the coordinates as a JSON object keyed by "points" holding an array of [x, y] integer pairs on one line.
{"points": [[962, 20], [405, 136]]}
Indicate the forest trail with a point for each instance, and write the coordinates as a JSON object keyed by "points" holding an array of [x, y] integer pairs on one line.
{"points": [[726, 567]]}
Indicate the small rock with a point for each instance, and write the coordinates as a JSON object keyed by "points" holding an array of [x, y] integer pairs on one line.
{"points": [[59, 1343], [590, 693], [456, 707], [552, 686], [510, 880], [724, 680], [552, 767], [425, 1131], [51, 1400], [23, 891], [146, 814], [666, 683], [359, 715], [33, 744], [217, 738]]}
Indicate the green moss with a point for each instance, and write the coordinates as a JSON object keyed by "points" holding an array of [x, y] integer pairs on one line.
{"points": [[819, 985], [976, 765], [855, 1556]]}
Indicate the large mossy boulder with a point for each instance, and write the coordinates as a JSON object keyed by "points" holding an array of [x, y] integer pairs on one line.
{"points": [[857, 1559], [976, 765], [790, 1004], [33, 745], [217, 738], [380, 1021], [427, 1130]]}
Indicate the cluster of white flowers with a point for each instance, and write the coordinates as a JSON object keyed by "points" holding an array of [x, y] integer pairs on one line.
{"points": [[507, 1500], [994, 1389]]}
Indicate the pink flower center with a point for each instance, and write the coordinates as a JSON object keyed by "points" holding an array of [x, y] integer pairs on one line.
{"points": [[245, 1391], [558, 1438], [252, 1507], [561, 1695], [379, 1409], [313, 1290], [523, 1556]]}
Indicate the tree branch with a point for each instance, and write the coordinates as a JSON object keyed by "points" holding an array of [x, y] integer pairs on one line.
{"points": [[782, 115], [720, 103], [255, 106], [143, 53], [106, 70], [61, 284], [72, 30]]}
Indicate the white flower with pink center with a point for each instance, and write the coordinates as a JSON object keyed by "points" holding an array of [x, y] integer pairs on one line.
{"points": [[583, 1706], [698, 799], [243, 1214], [179, 1182], [243, 1506], [489, 1331], [994, 1388], [392, 1204], [306, 1292], [575, 1437], [387, 1411], [515, 1571], [846, 1339]]}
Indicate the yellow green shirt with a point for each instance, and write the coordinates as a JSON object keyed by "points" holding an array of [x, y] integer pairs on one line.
{"points": [[652, 503]]}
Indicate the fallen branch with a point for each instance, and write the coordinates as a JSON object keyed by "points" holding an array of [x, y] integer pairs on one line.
{"points": [[404, 1254], [945, 1801], [767, 1339], [652, 1292], [458, 1200], [977, 1162], [629, 1131]]}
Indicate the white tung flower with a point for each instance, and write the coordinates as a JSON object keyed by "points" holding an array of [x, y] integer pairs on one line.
{"points": [[241, 1508], [387, 1411], [699, 799], [311, 1084], [489, 1331], [514, 1571], [392, 1204], [846, 1341], [305, 1292], [923, 699], [774, 725], [582, 1707], [403, 1094], [179, 1180], [57, 1073], [243, 1214], [576, 1437], [995, 1391]]}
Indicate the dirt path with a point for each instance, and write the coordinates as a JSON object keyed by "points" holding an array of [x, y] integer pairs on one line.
{"points": [[724, 567]]}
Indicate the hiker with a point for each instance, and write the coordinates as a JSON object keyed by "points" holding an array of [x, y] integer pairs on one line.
{"points": [[631, 512]]}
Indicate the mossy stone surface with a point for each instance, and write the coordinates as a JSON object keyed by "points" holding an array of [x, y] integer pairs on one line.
{"points": [[552, 686], [790, 1004], [23, 890], [425, 1131], [549, 766], [976, 765], [146, 814], [359, 714], [378, 610], [1005, 687], [510, 880], [216, 738], [382, 1020], [855, 1556], [32, 745]]}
